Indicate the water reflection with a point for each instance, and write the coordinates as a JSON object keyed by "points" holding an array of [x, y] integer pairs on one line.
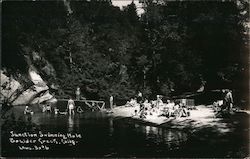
{"points": [[104, 136], [110, 131], [166, 136], [70, 124], [111, 127]]}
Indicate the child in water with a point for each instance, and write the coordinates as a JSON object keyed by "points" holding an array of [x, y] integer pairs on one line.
{"points": [[27, 110]]}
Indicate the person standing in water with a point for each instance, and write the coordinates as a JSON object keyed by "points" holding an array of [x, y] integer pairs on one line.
{"points": [[71, 106]]}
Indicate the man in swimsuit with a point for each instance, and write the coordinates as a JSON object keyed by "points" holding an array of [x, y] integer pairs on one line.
{"points": [[71, 106]]}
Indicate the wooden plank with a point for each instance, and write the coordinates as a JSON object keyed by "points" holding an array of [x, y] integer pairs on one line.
{"points": [[90, 103]]}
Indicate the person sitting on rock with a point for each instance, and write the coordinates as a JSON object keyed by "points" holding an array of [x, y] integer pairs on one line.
{"points": [[147, 104], [27, 110], [166, 112], [142, 114], [217, 105], [159, 102], [183, 112], [176, 109], [131, 103]]}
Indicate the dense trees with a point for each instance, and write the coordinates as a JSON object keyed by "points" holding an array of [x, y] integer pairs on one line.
{"points": [[172, 48]]}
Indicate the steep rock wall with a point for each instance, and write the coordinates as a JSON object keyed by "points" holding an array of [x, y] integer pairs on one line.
{"points": [[14, 93]]}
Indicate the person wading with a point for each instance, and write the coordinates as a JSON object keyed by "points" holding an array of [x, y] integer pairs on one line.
{"points": [[71, 106]]}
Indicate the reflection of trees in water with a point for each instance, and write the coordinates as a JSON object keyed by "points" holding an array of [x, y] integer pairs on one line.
{"points": [[111, 127], [167, 136], [73, 123], [15, 121]]}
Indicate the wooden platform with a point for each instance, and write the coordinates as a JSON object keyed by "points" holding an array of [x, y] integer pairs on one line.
{"points": [[92, 104]]}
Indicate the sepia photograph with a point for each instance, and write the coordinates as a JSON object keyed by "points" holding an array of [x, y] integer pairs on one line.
{"points": [[125, 79]]}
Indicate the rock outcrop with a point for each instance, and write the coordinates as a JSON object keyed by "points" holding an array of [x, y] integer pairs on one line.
{"points": [[9, 87], [14, 92]]}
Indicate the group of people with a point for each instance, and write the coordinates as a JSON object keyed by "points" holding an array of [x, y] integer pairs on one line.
{"points": [[157, 107], [47, 108], [71, 107], [153, 107]]}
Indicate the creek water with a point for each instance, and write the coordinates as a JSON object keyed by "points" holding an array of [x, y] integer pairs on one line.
{"points": [[107, 136]]}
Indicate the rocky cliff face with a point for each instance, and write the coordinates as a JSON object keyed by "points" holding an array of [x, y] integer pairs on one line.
{"points": [[34, 89], [14, 92]]}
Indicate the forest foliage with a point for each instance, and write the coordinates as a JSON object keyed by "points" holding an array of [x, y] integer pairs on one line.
{"points": [[173, 47]]}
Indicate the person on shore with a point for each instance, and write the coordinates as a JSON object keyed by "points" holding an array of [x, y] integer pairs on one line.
{"points": [[176, 109], [159, 102], [228, 99], [140, 100], [111, 102], [71, 106], [147, 104], [183, 112], [78, 93], [143, 113], [167, 109]]}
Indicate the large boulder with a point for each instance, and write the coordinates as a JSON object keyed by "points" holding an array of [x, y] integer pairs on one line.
{"points": [[37, 93], [9, 87], [46, 96], [29, 95]]}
